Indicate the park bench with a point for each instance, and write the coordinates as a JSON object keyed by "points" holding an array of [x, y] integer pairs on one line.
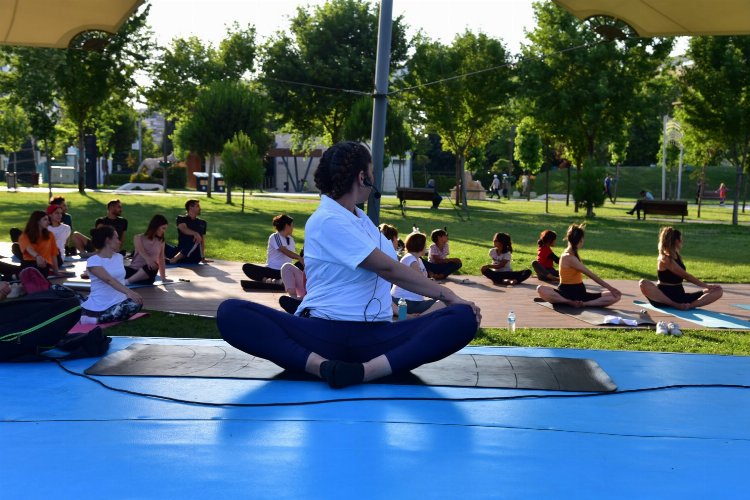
{"points": [[407, 193], [664, 207], [712, 194]]}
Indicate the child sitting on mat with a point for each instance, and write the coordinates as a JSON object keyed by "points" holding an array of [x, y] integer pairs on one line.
{"points": [[415, 303], [439, 265], [500, 271], [281, 250], [544, 265]]}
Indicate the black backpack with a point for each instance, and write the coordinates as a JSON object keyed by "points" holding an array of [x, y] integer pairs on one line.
{"points": [[35, 323]]}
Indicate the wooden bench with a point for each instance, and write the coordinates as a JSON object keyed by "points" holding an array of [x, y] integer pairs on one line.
{"points": [[664, 207], [407, 193]]}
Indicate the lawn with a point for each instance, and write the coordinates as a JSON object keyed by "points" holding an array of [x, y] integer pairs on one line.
{"points": [[617, 246]]}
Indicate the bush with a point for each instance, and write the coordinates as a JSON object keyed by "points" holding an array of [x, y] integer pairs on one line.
{"points": [[589, 190], [141, 177], [118, 179], [177, 177]]}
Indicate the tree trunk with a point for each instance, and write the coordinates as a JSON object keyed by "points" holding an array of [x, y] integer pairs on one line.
{"points": [[738, 182], [49, 168], [243, 200], [567, 188], [210, 176], [81, 162], [546, 190], [459, 180]]}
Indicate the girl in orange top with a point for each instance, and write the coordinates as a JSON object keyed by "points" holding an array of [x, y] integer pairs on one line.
{"points": [[38, 244], [571, 290]]}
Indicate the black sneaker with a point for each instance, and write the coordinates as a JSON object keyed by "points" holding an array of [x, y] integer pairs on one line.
{"points": [[289, 303]]}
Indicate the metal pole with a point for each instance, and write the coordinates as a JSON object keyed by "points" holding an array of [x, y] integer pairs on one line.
{"points": [[664, 161], [380, 104]]}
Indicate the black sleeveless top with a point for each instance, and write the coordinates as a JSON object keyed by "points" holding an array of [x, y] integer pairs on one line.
{"points": [[668, 277]]}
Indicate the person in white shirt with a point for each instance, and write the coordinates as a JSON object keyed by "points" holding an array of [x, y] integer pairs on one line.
{"points": [[500, 271], [342, 331], [110, 298], [281, 250], [60, 230], [415, 303]]}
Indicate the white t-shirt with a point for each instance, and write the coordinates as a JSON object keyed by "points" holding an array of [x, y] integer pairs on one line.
{"points": [[276, 259], [102, 295], [399, 292], [61, 232], [336, 242], [436, 252], [497, 257]]}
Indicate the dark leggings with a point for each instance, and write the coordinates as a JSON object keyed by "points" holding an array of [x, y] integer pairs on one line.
{"points": [[444, 268], [500, 276], [288, 340]]}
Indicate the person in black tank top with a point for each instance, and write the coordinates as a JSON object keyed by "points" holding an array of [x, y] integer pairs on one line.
{"points": [[671, 272]]}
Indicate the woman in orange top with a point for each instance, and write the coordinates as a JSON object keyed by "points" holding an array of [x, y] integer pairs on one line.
{"points": [[571, 290], [38, 244]]}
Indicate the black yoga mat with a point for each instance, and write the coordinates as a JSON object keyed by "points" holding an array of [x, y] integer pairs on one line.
{"points": [[597, 315], [458, 370]]}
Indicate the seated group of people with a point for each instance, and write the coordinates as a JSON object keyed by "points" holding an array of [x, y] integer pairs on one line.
{"points": [[42, 246]]}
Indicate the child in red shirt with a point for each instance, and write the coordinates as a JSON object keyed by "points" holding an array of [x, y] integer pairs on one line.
{"points": [[544, 265]]}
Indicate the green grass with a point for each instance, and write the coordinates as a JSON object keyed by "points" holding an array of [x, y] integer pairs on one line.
{"points": [[616, 246]]}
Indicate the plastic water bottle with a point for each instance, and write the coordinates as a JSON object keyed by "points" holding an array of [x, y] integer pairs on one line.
{"points": [[401, 309], [511, 322]]}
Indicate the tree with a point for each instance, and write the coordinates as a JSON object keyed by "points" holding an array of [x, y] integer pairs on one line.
{"points": [[14, 128], [87, 78], [580, 89], [358, 127], [465, 101], [588, 190], [31, 84], [241, 164], [529, 148], [316, 74], [220, 111], [715, 95]]}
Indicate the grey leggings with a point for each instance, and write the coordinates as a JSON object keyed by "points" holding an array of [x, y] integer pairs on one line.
{"points": [[118, 312]]}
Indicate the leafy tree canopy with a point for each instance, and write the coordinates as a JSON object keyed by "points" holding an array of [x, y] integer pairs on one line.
{"points": [[330, 51]]}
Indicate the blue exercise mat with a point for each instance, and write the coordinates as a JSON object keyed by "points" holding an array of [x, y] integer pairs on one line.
{"points": [[707, 319], [742, 306]]}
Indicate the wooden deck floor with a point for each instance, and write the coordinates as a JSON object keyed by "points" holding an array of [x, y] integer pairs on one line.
{"points": [[209, 285]]}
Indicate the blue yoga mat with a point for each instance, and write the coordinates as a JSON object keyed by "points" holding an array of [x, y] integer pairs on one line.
{"points": [[708, 319], [742, 306]]}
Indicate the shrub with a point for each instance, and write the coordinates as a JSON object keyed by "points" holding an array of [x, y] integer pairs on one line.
{"points": [[177, 177], [589, 190]]}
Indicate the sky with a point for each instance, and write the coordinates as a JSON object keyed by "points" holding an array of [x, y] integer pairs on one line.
{"points": [[439, 19]]}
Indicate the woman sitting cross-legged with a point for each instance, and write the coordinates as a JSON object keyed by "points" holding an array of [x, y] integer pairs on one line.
{"points": [[38, 245], [415, 303], [571, 290], [110, 299], [148, 259], [669, 292], [342, 331]]}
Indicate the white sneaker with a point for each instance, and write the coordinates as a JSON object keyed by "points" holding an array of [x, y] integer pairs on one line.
{"points": [[662, 328], [16, 290], [674, 329], [88, 320]]}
